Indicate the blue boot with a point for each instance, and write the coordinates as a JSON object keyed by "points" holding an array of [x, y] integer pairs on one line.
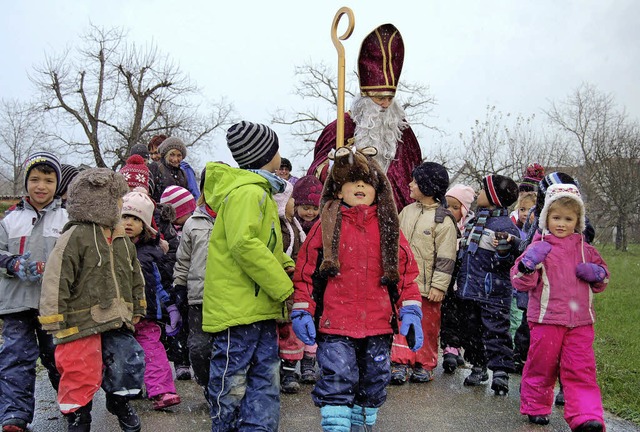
{"points": [[336, 418], [363, 419]]}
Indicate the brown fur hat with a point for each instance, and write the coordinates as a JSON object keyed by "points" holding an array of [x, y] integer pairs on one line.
{"points": [[350, 165], [93, 197]]}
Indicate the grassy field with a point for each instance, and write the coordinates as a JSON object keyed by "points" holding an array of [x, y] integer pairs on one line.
{"points": [[617, 343]]}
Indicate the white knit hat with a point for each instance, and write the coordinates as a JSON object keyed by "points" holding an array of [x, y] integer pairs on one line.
{"points": [[556, 191], [139, 205]]}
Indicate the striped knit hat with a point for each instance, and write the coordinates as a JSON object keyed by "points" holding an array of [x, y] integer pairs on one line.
{"points": [[42, 158], [67, 174], [180, 199], [252, 145], [501, 191]]}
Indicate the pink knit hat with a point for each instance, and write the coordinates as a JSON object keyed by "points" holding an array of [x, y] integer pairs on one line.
{"points": [[180, 199], [465, 195], [139, 204]]}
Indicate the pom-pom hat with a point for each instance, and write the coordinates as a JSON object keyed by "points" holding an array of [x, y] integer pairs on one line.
{"points": [[307, 191], [136, 172]]}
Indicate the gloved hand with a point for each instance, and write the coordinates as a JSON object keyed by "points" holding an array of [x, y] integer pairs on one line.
{"points": [[19, 265], [590, 272], [535, 254], [35, 270], [502, 244], [303, 326], [175, 321], [411, 328]]}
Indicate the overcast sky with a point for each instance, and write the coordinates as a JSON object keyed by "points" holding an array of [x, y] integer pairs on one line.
{"points": [[516, 55]]}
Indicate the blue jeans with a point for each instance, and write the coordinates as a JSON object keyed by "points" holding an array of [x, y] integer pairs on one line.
{"points": [[244, 390], [24, 342], [353, 371]]}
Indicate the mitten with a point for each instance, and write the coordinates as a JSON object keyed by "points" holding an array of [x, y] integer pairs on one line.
{"points": [[590, 272], [303, 326], [19, 265], [175, 321], [503, 246], [35, 270], [411, 328], [535, 254]]}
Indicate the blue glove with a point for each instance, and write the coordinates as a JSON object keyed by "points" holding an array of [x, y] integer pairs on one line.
{"points": [[35, 270], [303, 326], [411, 328], [175, 321], [590, 272], [19, 265]]}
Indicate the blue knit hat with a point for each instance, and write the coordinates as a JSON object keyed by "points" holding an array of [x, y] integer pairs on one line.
{"points": [[42, 158]]}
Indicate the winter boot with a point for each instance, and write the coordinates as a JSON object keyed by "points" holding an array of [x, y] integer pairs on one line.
{"points": [[500, 383], [336, 418], [288, 377], [127, 416], [477, 376], [399, 373], [363, 419], [590, 426], [308, 369], [539, 419], [80, 419], [183, 373], [560, 396], [165, 400], [450, 360], [421, 375], [14, 425]]}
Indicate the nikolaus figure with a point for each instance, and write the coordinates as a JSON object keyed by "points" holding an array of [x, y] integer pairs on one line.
{"points": [[376, 119]]}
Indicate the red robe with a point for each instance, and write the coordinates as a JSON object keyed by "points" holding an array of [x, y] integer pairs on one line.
{"points": [[408, 156]]}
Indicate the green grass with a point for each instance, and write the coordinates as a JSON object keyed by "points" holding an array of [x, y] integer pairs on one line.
{"points": [[617, 343]]}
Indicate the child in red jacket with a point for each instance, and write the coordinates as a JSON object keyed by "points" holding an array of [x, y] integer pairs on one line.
{"points": [[353, 272], [560, 271]]}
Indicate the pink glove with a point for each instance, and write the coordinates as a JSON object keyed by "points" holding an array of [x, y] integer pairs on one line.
{"points": [[535, 254], [590, 272]]}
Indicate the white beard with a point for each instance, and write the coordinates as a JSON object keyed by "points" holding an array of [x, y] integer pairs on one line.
{"points": [[379, 128]]}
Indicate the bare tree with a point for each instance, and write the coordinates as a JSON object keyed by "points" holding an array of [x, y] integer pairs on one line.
{"points": [[21, 133], [317, 85], [118, 94], [608, 144]]}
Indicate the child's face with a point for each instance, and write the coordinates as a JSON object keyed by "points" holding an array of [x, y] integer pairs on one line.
{"points": [[41, 188], [307, 212], [289, 210], [455, 206], [523, 210], [357, 193], [132, 226], [483, 200], [414, 191], [562, 221]]}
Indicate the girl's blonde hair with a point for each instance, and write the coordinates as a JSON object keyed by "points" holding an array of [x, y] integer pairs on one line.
{"points": [[526, 196]]}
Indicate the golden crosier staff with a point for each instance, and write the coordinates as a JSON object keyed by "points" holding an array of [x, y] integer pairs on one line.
{"points": [[341, 67]]}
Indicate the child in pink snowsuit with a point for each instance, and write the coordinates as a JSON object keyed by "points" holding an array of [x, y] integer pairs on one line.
{"points": [[560, 271]]}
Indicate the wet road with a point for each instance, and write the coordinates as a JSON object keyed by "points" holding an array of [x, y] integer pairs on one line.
{"points": [[442, 405]]}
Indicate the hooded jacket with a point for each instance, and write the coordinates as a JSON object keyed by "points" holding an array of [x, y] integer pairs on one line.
{"points": [[90, 286], [556, 295], [355, 303], [245, 281]]}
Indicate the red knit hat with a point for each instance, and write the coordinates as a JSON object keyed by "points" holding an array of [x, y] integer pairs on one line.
{"points": [[307, 191], [380, 61], [180, 199], [136, 172]]}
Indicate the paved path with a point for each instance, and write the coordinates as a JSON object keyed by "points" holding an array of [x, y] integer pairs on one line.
{"points": [[442, 405]]}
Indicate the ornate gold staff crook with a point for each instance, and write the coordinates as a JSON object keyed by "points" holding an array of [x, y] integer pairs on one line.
{"points": [[341, 67]]}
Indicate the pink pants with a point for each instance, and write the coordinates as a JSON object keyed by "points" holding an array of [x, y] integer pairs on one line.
{"points": [[427, 356], [290, 347], [158, 378], [568, 351]]}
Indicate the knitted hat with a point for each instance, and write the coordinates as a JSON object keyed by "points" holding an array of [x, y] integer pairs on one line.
{"points": [[170, 144], [180, 199], [501, 191], [283, 198], [141, 206], [155, 141], [464, 194], [67, 174], [556, 191], [42, 158], [532, 176], [432, 180], [136, 172], [94, 195], [139, 149], [252, 145], [307, 191]]}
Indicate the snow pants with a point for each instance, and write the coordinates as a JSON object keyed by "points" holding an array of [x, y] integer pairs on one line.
{"points": [[158, 378], [178, 346], [113, 360], [199, 343], [353, 371], [427, 356], [450, 321], [568, 351], [24, 342], [244, 380]]}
